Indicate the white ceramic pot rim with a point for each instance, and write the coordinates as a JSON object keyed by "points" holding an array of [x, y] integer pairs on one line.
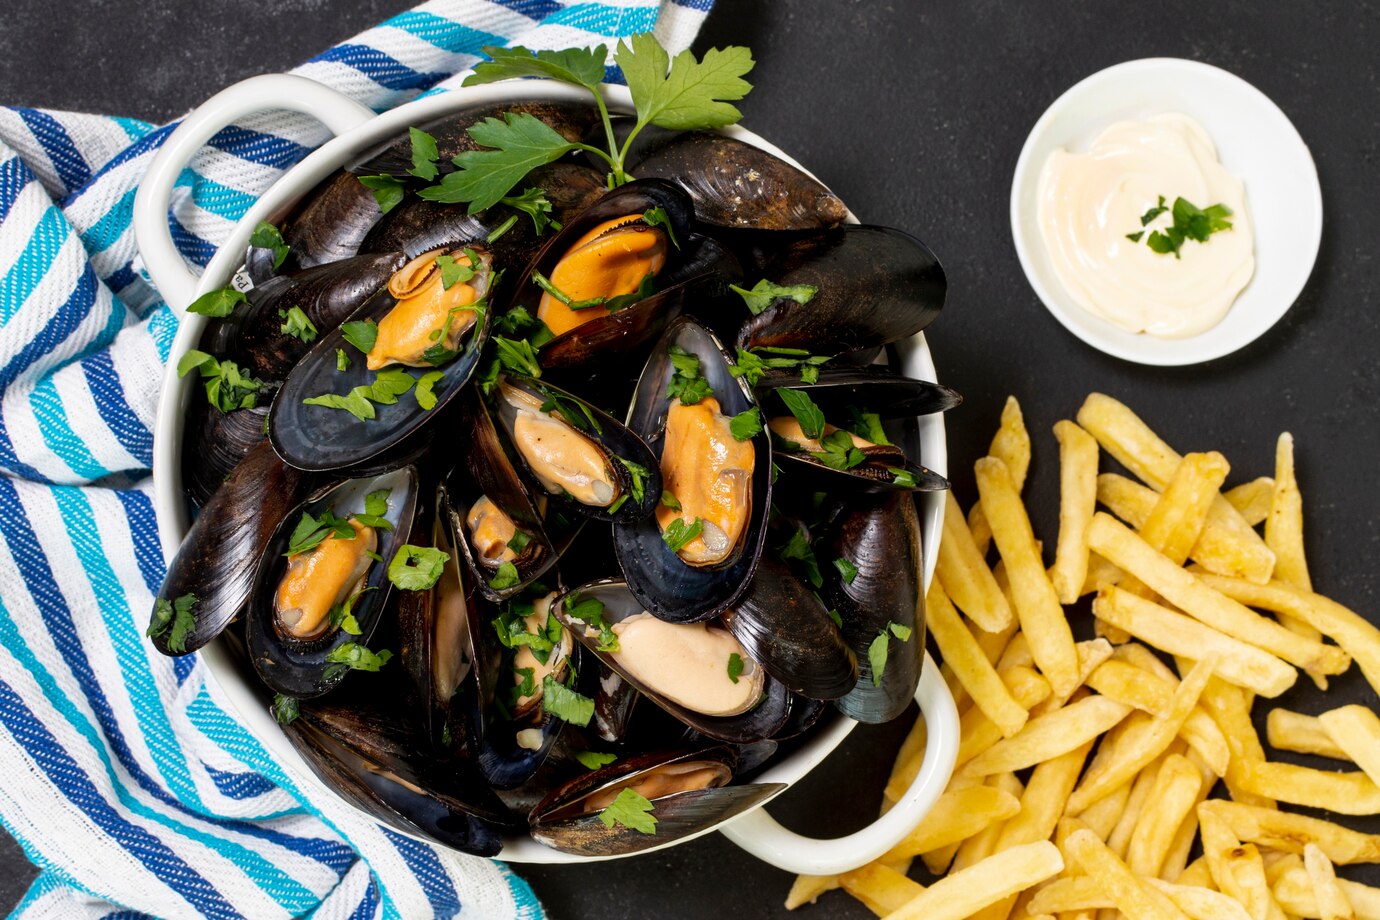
{"points": [[359, 129]]}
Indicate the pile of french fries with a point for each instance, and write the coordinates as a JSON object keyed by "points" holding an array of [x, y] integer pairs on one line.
{"points": [[1086, 770]]}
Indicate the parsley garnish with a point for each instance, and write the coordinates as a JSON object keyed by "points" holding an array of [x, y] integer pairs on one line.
{"points": [[416, 568], [903, 477], [353, 656], [638, 474], [453, 272], [1153, 213], [177, 616], [518, 541], [518, 356], [591, 610], [868, 425], [564, 703], [837, 451], [297, 324], [342, 360], [388, 190], [220, 303], [753, 364], [311, 531], [506, 577], [799, 549], [1190, 223], [361, 333], [531, 202], [679, 533], [424, 154], [227, 387], [426, 397], [745, 424], [342, 615], [657, 217], [686, 383], [805, 411], [735, 666], [632, 810], [877, 651], [388, 385], [762, 294], [848, 570], [266, 236], [285, 709], [375, 507], [669, 500], [593, 760]]}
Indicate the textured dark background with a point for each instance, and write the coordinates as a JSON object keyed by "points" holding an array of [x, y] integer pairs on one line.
{"points": [[914, 113]]}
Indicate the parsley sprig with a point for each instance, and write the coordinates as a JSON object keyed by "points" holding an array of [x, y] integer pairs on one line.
{"points": [[1190, 223]]}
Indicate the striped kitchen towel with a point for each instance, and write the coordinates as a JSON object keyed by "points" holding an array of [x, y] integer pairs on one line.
{"points": [[124, 777]]}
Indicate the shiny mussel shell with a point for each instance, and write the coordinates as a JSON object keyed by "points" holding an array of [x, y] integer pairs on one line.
{"points": [[617, 605], [875, 286], [663, 582], [216, 442], [318, 437], [304, 667], [215, 564], [327, 225], [568, 818]]}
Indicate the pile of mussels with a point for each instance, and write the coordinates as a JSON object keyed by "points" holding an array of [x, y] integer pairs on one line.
{"points": [[621, 525]]}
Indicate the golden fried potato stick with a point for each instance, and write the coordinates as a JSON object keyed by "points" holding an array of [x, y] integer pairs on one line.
{"points": [[1346, 793], [1104, 816], [1231, 710], [1100, 572], [1083, 893], [1091, 654], [806, 888], [1176, 859], [1077, 501], [977, 733], [1150, 692], [956, 816], [1042, 618], [1187, 592], [961, 894], [1332, 901], [984, 843], [1173, 795], [1290, 832], [1135, 899], [962, 570], [962, 653], [1294, 892], [1196, 873], [1050, 735], [1252, 499], [881, 889], [1243, 664], [1247, 869], [1119, 840], [1010, 445], [1293, 731], [1123, 435], [1356, 730], [1284, 526]]}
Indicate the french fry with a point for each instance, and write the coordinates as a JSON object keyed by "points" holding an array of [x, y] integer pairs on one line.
{"points": [[1091, 654], [1232, 712], [1252, 499], [1144, 742], [1123, 435], [1206, 738], [1083, 893], [1119, 840], [880, 889], [984, 843], [1176, 859], [1051, 735], [807, 888], [907, 764], [1357, 637], [1356, 730], [1140, 656], [1100, 572], [977, 733], [1346, 793], [1131, 896], [1247, 870], [1174, 524], [1196, 874], [1293, 731], [1294, 892], [956, 816], [962, 653], [1042, 618], [1278, 863], [1077, 500], [1103, 817], [963, 572], [1010, 445], [1332, 901], [1188, 593], [1151, 693], [1284, 526], [1242, 664], [961, 894], [1173, 795], [1290, 832]]}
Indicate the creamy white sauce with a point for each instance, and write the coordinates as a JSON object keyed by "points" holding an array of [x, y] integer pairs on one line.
{"points": [[1089, 202]]}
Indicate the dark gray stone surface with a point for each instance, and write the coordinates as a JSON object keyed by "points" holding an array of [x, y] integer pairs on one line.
{"points": [[914, 113]]}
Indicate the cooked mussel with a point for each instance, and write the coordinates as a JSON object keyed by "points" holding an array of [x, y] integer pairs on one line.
{"points": [[334, 410], [688, 792], [697, 555], [216, 442], [322, 584], [327, 225]]}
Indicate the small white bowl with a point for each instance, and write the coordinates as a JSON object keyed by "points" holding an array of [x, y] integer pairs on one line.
{"points": [[1254, 140]]}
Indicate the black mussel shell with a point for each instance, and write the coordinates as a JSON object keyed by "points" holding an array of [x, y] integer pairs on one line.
{"points": [[630, 460], [215, 442], [786, 629], [304, 668], [569, 119], [618, 603], [614, 703], [879, 534], [215, 563], [328, 224], [735, 184], [327, 294], [873, 387], [875, 286], [667, 586], [805, 715], [559, 822], [315, 437]]}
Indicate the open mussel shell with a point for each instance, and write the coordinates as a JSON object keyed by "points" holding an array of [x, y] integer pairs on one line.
{"points": [[873, 387], [216, 442], [523, 407], [328, 224], [316, 437], [568, 818], [787, 630], [880, 535], [304, 668], [216, 562], [327, 294], [875, 285], [735, 184], [666, 585], [618, 604], [614, 703]]}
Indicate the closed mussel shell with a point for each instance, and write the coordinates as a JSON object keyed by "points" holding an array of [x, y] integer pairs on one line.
{"points": [[216, 442], [328, 224], [300, 658], [667, 585]]}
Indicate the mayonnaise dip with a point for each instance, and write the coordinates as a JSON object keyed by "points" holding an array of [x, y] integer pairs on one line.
{"points": [[1089, 202]]}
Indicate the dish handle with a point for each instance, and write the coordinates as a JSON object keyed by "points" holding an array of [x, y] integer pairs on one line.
{"points": [[761, 835], [266, 93]]}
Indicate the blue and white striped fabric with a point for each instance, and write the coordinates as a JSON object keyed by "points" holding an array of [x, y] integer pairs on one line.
{"points": [[124, 777]]}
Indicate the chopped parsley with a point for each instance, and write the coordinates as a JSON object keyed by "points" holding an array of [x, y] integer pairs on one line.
{"points": [[361, 333], [353, 656], [837, 451], [1190, 223], [847, 570], [219, 303], [746, 424], [669, 500], [297, 324], [877, 651], [174, 618], [424, 154], [453, 272], [903, 477], [417, 568], [764, 293], [638, 474], [342, 360], [799, 549], [593, 760], [517, 355], [753, 364], [687, 384], [564, 703], [342, 614], [531, 202], [679, 533], [311, 531], [506, 577], [735, 666], [591, 610], [375, 509], [227, 387], [388, 190], [808, 414], [632, 810], [657, 217], [267, 236], [285, 709], [867, 425], [426, 396]]}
